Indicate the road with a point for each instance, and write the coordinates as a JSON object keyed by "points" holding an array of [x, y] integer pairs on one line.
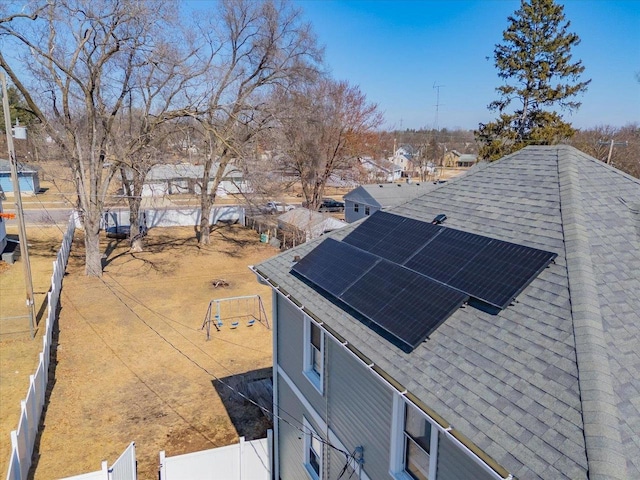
{"points": [[42, 216]]}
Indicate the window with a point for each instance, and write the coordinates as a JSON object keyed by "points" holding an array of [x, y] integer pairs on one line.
{"points": [[313, 353], [356, 207], [415, 444], [312, 451], [366, 210]]}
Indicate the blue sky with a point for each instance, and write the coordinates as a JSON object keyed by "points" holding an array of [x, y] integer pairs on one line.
{"points": [[396, 51]]}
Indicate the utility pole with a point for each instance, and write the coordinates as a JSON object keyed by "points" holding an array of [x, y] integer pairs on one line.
{"points": [[24, 248], [617, 144], [437, 89]]}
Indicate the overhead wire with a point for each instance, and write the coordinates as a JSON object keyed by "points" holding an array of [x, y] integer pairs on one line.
{"points": [[300, 428]]}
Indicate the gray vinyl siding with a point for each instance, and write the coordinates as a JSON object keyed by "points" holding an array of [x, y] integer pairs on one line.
{"points": [[455, 464], [350, 215], [291, 349], [291, 444], [360, 409]]}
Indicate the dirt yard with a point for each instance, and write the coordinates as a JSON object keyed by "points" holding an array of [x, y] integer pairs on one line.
{"points": [[133, 364]]}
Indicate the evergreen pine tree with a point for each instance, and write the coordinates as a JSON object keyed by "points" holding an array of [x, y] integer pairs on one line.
{"points": [[535, 62]]}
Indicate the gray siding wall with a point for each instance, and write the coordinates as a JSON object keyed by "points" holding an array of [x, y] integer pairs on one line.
{"points": [[455, 464], [350, 215], [291, 349], [359, 410], [291, 444]]}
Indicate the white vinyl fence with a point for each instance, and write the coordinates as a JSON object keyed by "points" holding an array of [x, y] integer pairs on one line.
{"points": [[175, 216], [124, 468], [242, 461], [23, 438]]}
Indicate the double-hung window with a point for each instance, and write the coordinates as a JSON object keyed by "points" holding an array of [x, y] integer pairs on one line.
{"points": [[367, 210], [415, 444], [313, 353], [356, 207], [312, 451]]}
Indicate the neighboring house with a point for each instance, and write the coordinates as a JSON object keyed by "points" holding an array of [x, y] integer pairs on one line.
{"points": [[27, 178], [306, 224], [547, 386], [381, 170], [172, 179], [368, 199], [403, 158], [455, 159]]}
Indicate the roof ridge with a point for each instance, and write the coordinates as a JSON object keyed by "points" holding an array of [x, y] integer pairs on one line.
{"points": [[600, 415]]}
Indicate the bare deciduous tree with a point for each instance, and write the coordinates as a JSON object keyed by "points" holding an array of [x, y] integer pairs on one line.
{"points": [[327, 125], [255, 46], [82, 56], [158, 94], [625, 154]]}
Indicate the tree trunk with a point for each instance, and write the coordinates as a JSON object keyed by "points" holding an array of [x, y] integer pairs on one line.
{"points": [[93, 257], [205, 226]]}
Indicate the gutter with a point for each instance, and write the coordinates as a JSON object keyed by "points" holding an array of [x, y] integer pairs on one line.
{"points": [[447, 429]]}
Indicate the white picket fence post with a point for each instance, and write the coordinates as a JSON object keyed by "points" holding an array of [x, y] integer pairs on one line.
{"points": [[23, 438]]}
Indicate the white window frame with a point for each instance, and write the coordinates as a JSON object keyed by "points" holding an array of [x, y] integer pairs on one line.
{"points": [[315, 377], [397, 467], [311, 440]]}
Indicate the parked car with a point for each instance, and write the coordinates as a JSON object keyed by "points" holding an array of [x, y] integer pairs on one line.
{"points": [[331, 205], [276, 207]]}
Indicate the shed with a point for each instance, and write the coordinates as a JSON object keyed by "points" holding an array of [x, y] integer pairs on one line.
{"points": [[28, 178], [306, 224]]}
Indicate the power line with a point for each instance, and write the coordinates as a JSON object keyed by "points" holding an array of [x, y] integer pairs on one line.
{"points": [[232, 389]]}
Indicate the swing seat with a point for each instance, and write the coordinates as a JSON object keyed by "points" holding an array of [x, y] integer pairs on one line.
{"points": [[251, 322], [235, 324]]}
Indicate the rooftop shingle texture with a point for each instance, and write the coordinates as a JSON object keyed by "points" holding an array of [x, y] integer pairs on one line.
{"points": [[512, 383]]}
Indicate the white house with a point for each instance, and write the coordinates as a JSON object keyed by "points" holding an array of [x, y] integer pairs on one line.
{"points": [[172, 179], [381, 170]]}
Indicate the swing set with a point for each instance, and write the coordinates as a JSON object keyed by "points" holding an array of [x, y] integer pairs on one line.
{"points": [[234, 310]]}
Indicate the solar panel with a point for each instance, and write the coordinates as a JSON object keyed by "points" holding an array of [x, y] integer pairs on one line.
{"points": [[448, 253], [500, 271], [373, 229], [405, 240], [333, 265], [406, 277], [403, 304], [391, 236]]}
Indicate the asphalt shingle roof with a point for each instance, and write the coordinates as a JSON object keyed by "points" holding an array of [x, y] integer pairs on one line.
{"points": [[550, 386], [388, 194]]}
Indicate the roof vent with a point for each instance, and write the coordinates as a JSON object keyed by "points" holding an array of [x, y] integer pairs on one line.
{"points": [[440, 218]]}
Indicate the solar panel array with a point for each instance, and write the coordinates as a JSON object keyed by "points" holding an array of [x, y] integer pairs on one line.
{"points": [[407, 277]]}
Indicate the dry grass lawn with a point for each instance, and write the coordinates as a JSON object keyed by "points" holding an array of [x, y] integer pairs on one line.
{"points": [[132, 363], [18, 352]]}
